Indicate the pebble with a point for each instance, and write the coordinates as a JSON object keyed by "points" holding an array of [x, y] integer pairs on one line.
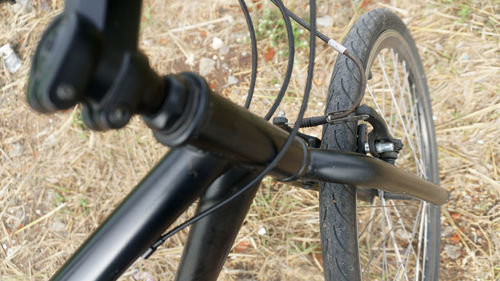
{"points": [[231, 80], [143, 276], [262, 231], [217, 43], [23, 6], [452, 251], [10, 58], [57, 226], [190, 59], [17, 150], [207, 66], [401, 234]]}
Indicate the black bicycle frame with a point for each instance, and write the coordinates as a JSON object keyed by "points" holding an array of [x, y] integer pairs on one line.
{"points": [[230, 136], [218, 146]]}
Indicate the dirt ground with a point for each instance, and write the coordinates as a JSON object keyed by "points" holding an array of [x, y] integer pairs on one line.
{"points": [[59, 180]]}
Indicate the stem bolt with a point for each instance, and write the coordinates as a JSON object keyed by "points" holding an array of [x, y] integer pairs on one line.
{"points": [[66, 92], [119, 116]]}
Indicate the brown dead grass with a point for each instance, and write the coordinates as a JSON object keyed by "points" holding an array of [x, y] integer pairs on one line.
{"points": [[58, 180]]}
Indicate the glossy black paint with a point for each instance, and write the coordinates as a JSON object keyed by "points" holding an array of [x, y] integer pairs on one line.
{"points": [[214, 124], [143, 216], [211, 238], [359, 169]]}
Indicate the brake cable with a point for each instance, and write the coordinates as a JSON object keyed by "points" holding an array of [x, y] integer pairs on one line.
{"points": [[253, 41], [277, 158], [320, 120]]}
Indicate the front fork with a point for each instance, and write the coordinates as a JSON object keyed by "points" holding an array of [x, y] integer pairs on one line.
{"points": [[211, 238]]}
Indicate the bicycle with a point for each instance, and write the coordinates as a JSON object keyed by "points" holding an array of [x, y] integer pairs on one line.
{"points": [[222, 151]]}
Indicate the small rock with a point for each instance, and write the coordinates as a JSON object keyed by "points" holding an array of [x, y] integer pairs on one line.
{"points": [[57, 226], [217, 43], [17, 150], [207, 66], [452, 251], [231, 80], [10, 58], [403, 235], [23, 6], [324, 21], [143, 276], [190, 59], [262, 231]]}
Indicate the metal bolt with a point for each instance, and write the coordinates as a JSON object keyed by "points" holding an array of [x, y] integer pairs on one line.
{"points": [[382, 147], [119, 116], [367, 147], [66, 92]]}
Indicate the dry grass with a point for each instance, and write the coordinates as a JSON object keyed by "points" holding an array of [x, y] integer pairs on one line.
{"points": [[58, 180]]}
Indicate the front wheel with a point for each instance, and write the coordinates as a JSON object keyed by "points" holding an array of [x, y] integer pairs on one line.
{"points": [[388, 239]]}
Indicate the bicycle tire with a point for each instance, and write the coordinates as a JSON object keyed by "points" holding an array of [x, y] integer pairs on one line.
{"points": [[375, 34]]}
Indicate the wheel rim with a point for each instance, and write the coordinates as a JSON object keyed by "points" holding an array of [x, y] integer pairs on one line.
{"points": [[393, 235]]}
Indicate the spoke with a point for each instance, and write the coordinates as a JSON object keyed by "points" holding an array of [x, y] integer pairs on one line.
{"points": [[416, 124], [384, 253], [381, 244], [393, 94], [400, 221], [419, 137], [426, 224], [420, 234], [398, 111], [410, 93], [398, 83], [394, 242], [410, 242]]}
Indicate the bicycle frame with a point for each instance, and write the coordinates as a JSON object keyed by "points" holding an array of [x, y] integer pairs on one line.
{"points": [[186, 172], [218, 147]]}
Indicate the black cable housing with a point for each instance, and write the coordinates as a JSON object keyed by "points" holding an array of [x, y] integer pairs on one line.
{"points": [[291, 57], [253, 41], [279, 156]]}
